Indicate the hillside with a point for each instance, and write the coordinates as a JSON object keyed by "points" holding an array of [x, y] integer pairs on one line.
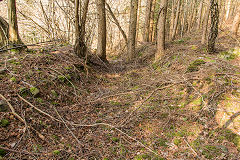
{"points": [[186, 106]]}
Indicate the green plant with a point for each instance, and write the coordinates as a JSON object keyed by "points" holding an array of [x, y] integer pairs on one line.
{"points": [[56, 152], [115, 139], [4, 123], [13, 79], [193, 67], [34, 91]]}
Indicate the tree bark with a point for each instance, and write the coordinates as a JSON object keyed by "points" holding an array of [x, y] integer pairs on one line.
{"points": [[14, 37], [152, 24], [228, 7], [176, 20], [200, 15], [236, 23], [3, 32], [147, 21], [102, 30], [161, 31], [132, 30], [214, 26], [205, 24]]}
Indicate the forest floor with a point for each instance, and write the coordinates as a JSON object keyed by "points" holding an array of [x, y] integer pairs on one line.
{"points": [[187, 106]]}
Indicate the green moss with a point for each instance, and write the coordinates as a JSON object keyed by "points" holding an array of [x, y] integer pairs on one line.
{"points": [[34, 91], [194, 47], [40, 100], [236, 141], [2, 152], [196, 104], [196, 143], [179, 41], [142, 157], [177, 141], [54, 93], [115, 139], [193, 67], [56, 152], [230, 55], [4, 122], [211, 152], [162, 142], [164, 115], [115, 103], [13, 79], [24, 91], [68, 67]]}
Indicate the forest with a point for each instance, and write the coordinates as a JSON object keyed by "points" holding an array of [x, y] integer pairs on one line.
{"points": [[119, 79]]}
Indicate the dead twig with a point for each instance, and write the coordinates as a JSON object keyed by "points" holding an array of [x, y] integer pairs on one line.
{"points": [[20, 118], [90, 125], [123, 133], [30, 104], [13, 110], [75, 92], [22, 152], [67, 126], [196, 154]]}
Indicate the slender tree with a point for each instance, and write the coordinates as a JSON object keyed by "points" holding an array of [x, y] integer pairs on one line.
{"points": [[3, 32], [14, 37], [102, 31], [214, 26], [200, 14], [161, 31], [236, 22], [147, 21], [176, 20], [80, 47], [116, 22], [132, 30], [205, 24]]}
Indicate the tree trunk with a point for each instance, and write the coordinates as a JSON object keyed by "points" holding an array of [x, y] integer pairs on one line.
{"points": [[80, 47], [117, 23], [172, 19], [3, 32], [205, 24], [102, 30], [147, 21], [176, 20], [14, 37], [151, 28], [132, 30], [214, 26], [236, 23], [161, 31], [200, 15], [228, 7]]}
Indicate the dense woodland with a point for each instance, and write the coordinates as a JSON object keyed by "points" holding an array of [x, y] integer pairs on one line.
{"points": [[120, 79]]}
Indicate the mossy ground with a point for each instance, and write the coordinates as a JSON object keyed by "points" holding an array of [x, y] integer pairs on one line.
{"points": [[194, 111]]}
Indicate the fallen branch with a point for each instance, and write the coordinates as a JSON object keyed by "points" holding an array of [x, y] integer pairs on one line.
{"points": [[90, 125], [20, 118], [22, 152], [13, 110], [67, 126], [39, 110], [196, 154]]}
